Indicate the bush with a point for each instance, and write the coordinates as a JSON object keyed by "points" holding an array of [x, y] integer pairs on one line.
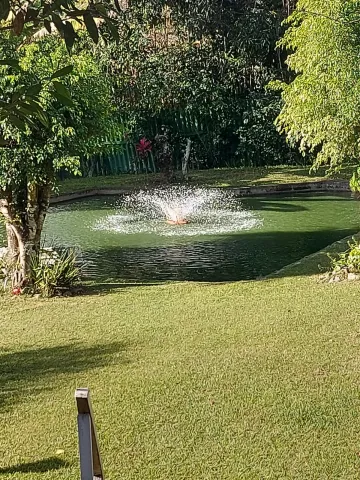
{"points": [[345, 265], [52, 272]]}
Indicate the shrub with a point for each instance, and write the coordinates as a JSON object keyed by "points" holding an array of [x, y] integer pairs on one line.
{"points": [[346, 265], [52, 272]]}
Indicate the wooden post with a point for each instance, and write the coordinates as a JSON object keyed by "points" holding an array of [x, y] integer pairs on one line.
{"points": [[90, 461], [185, 162]]}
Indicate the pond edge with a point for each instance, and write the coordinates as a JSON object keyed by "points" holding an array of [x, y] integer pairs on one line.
{"points": [[256, 190], [300, 267]]}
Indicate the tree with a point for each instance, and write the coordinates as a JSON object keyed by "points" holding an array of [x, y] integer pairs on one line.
{"points": [[209, 60], [29, 162], [321, 105], [33, 19]]}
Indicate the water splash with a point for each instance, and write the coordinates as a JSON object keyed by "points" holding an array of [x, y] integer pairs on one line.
{"points": [[208, 211]]}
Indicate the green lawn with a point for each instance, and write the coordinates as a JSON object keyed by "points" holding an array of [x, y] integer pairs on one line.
{"points": [[249, 380], [233, 177], [190, 381]]}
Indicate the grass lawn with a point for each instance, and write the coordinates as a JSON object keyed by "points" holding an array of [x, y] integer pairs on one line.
{"points": [[190, 381], [248, 380], [220, 177]]}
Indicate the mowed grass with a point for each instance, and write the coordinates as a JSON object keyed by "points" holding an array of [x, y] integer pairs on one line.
{"points": [[250, 380], [218, 177]]}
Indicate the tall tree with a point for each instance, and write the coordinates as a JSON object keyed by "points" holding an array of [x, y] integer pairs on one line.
{"points": [[32, 156], [321, 105]]}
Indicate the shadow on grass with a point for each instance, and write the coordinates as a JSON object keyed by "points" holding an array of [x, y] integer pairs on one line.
{"points": [[30, 372], [41, 466], [105, 288], [270, 205], [211, 177], [272, 175]]}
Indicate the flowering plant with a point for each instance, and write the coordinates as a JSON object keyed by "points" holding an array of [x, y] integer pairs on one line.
{"points": [[143, 147]]}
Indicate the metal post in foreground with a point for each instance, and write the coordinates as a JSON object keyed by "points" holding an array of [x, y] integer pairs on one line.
{"points": [[90, 461]]}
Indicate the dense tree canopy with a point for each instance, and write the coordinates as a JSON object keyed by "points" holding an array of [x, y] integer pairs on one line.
{"points": [[31, 20], [322, 104], [210, 60]]}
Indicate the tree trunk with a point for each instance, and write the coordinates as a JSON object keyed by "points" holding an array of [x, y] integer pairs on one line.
{"points": [[12, 243], [16, 248], [92, 167], [24, 230], [15, 241], [185, 162]]}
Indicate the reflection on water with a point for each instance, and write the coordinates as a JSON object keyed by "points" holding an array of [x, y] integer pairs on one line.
{"points": [[243, 258], [291, 228]]}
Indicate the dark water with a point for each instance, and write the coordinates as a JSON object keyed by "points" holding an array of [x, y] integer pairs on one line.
{"points": [[292, 227]]}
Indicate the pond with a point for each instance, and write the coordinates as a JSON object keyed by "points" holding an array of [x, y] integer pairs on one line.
{"points": [[282, 230]]}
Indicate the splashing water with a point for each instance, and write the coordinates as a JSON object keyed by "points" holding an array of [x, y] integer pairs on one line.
{"points": [[207, 211]]}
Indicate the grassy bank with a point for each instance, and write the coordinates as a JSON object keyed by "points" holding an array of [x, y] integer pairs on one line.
{"points": [[189, 381], [221, 177], [317, 262]]}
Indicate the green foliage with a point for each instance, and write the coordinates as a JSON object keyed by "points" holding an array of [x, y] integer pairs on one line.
{"points": [[25, 20], [350, 258], [321, 105], [258, 143], [77, 115], [21, 108], [75, 126], [53, 273], [355, 181], [345, 263], [29, 21], [210, 61]]}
